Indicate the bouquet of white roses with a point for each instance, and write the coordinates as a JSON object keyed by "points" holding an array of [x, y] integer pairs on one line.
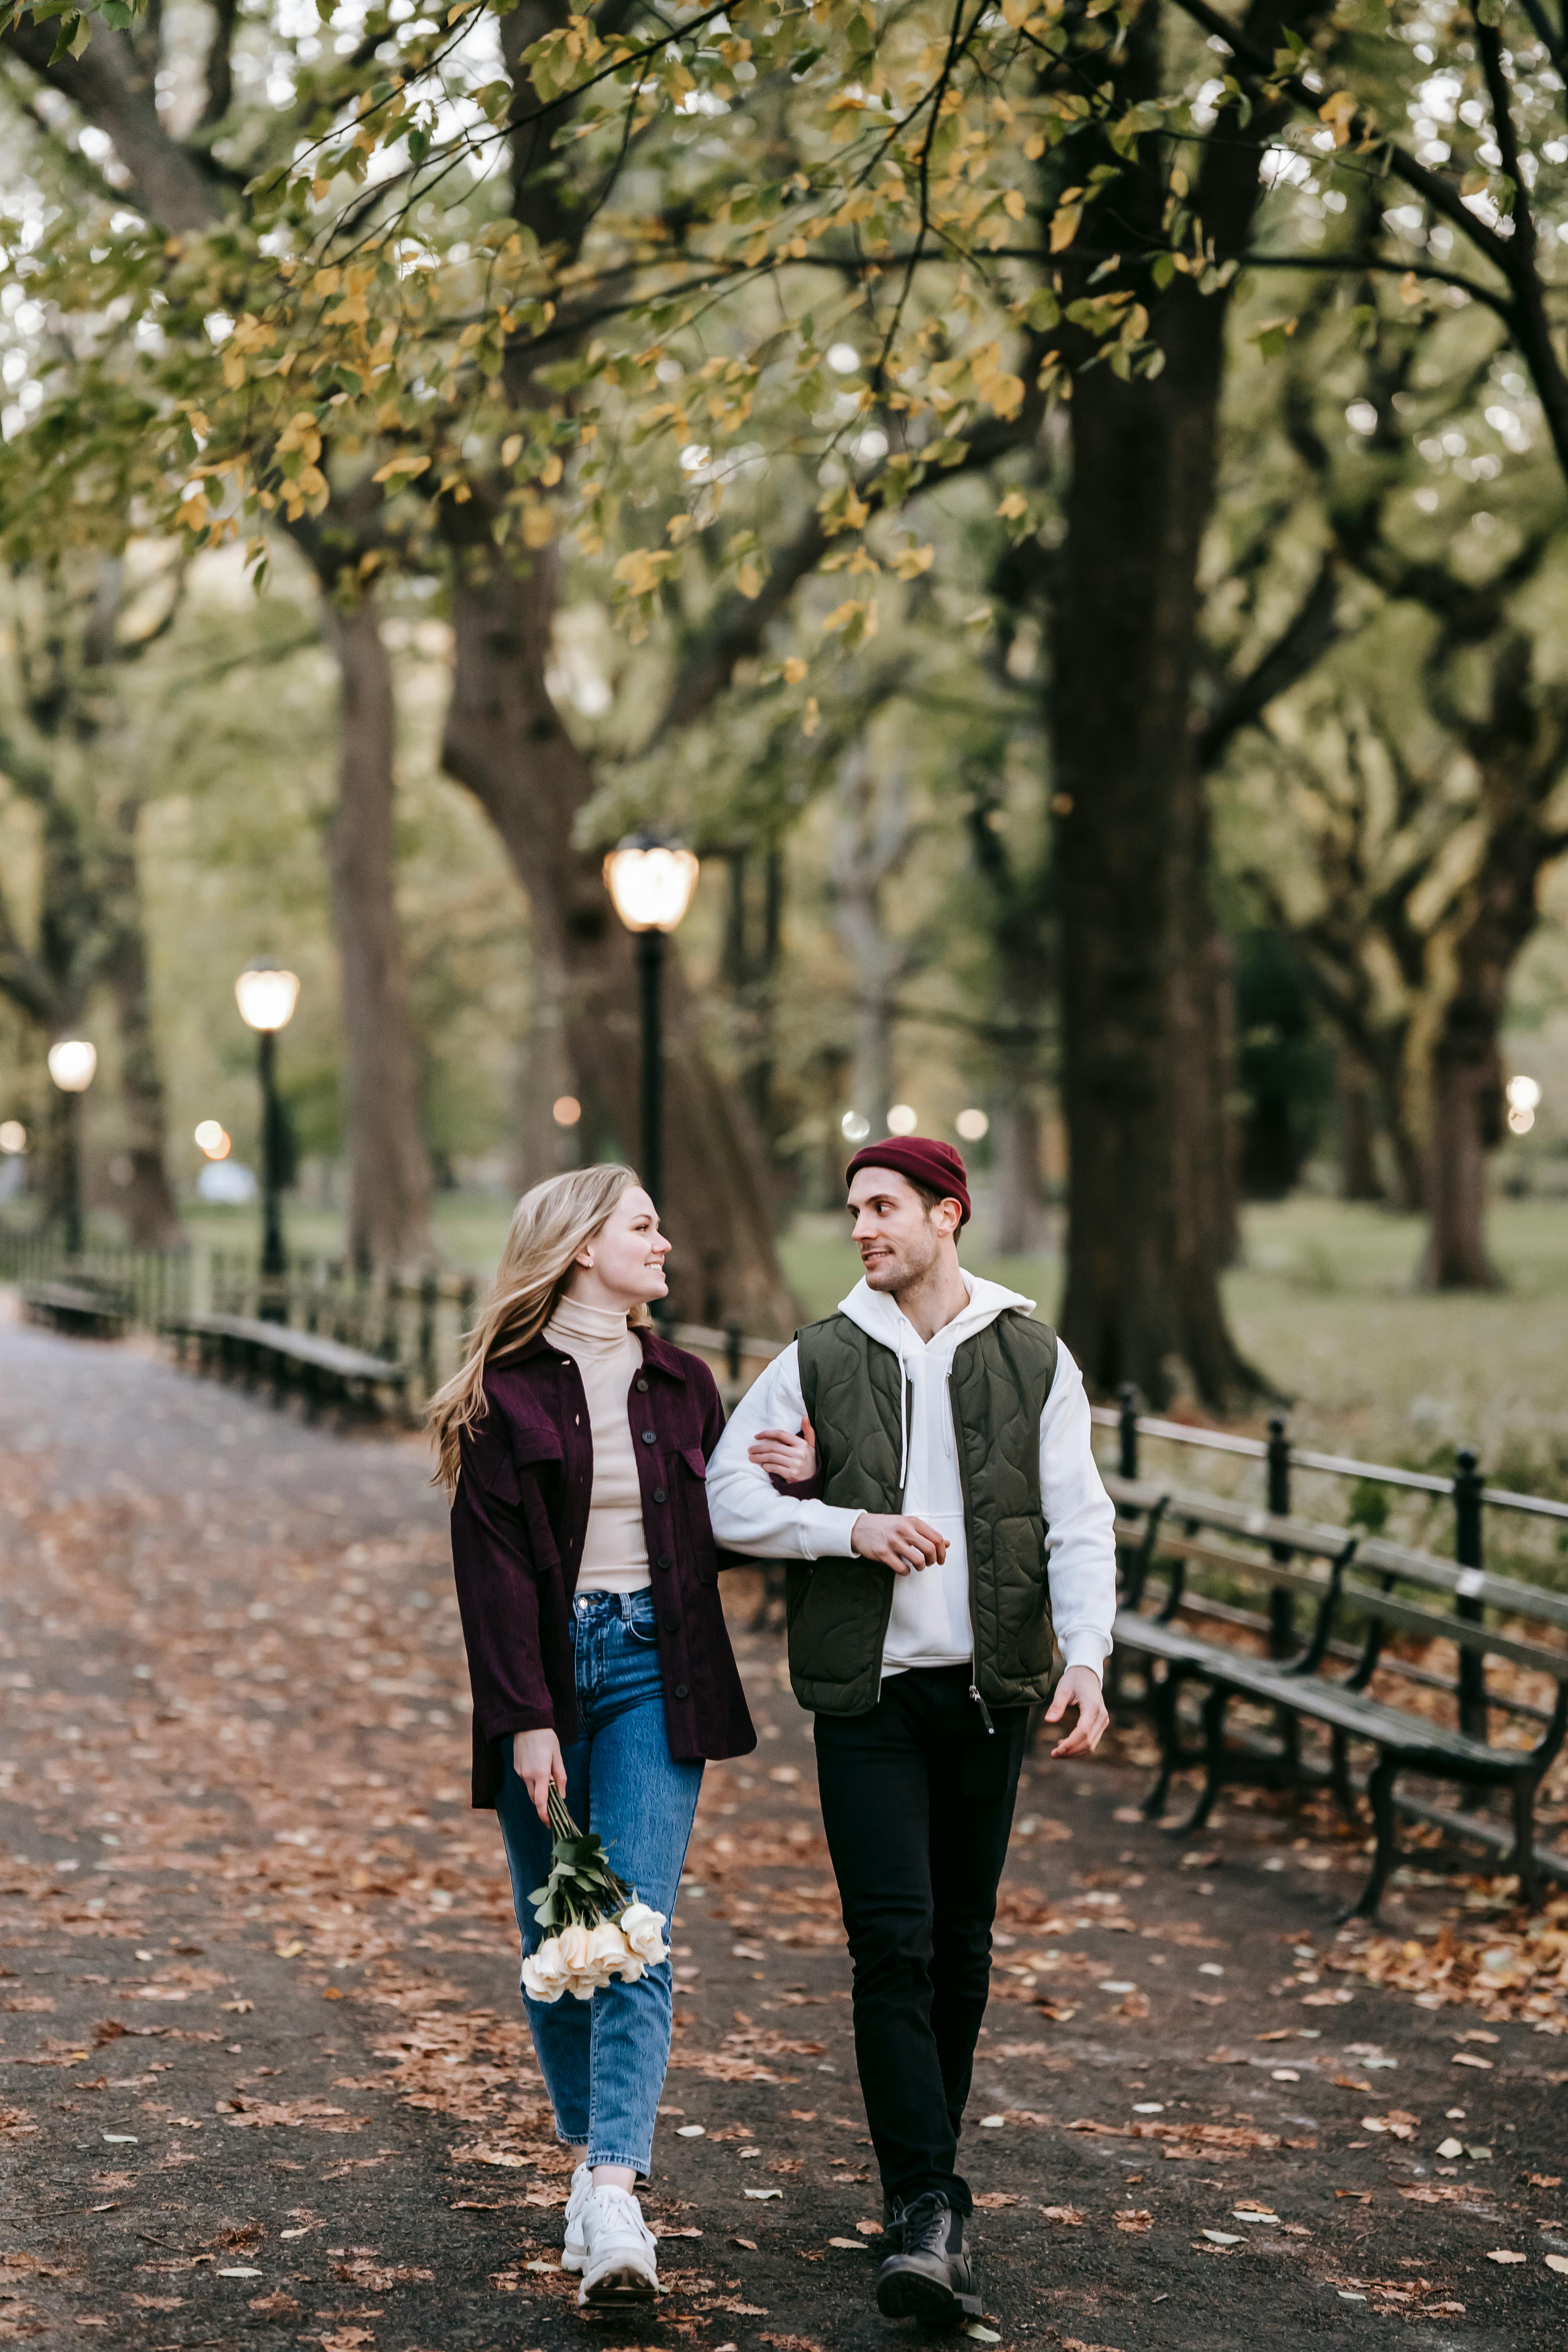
{"points": [[600, 1930]]}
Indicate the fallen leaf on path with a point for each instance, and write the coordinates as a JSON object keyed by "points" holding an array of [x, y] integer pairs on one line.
{"points": [[1558, 2263], [1067, 2215], [992, 2199], [1470, 2058], [1505, 2255], [851, 2245], [1545, 2179], [762, 2195], [749, 2244], [1222, 2237], [1136, 2218]]}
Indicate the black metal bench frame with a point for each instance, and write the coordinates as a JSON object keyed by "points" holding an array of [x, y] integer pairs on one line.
{"points": [[239, 1345], [1294, 1683], [86, 1309]]}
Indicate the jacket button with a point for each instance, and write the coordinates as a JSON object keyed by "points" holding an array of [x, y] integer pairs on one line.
{"points": [[672, 1624], [658, 1495], [664, 1560], [681, 1691], [642, 1388], [648, 1438]]}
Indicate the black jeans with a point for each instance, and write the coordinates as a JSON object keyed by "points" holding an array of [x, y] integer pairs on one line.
{"points": [[917, 1801]]}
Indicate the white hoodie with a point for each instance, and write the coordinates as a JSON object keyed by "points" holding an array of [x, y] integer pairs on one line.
{"points": [[930, 1626]]}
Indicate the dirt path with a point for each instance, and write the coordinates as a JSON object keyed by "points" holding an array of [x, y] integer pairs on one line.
{"points": [[263, 2075]]}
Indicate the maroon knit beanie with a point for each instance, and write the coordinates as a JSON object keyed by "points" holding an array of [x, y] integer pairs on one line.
{"points": [[924, 1160]]}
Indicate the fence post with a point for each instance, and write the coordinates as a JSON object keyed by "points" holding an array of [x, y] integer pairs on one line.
{"points": [[1127, 1431], [428, 1333], [1468, 1550], [732, 1350], [467, 1300], [1282, 1640]]}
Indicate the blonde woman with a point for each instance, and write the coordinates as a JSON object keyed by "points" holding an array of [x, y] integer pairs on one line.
{"points": [[575, 1444]]}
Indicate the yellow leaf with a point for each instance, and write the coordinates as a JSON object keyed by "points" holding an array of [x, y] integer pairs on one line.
{"points": [[748, 579], [1013, 203], [1034, 147], [910, 561], [1014, 505], [813, 720], [1064, 226], [408, 463], [551, 471], [793, 669], [512, 449], [1339, 110]]}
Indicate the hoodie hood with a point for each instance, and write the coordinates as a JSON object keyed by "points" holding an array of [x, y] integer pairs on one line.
{"points": [[880, 1315]]}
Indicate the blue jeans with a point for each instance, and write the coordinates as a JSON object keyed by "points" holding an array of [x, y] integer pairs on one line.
{"points": [[605, 2060]]}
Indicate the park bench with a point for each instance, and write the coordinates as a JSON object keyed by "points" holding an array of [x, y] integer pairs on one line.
{"points": [[80, 1304], [1360, 1592], [254, 1349]]}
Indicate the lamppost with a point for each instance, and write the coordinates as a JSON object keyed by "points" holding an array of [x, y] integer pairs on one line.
{"points": [[72, 1064], [651, 881], [267, 996]]}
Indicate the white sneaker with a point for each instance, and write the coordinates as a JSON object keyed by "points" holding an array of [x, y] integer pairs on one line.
{"points": [[619, 2262], [574, 2253]]}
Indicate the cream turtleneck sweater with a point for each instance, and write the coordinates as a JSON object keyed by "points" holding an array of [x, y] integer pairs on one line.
{"points": [[601, 1343]]}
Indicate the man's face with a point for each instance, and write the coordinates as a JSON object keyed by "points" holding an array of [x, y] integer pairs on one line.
{"points": [[899, 1238]]}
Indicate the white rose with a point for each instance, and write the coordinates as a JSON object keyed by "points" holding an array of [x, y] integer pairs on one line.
{"points": [[641, 1928], [544, 1972], [574, 1943], [609, 1948]]}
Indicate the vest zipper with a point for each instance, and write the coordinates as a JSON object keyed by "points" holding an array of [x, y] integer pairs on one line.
{"points": [[985, 1711]]}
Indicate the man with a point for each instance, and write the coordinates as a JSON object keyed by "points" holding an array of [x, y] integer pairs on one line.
{"points": [[955, 1521]]}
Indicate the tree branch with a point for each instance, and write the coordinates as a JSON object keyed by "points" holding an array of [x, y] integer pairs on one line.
{"points": [[110, 87]]}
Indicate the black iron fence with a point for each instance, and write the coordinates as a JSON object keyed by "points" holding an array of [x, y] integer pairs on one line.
{"points": [[1452, 1512], [419, 1320]]}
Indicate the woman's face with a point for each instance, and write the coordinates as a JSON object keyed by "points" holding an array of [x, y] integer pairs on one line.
{"points": [[623, 1266]]}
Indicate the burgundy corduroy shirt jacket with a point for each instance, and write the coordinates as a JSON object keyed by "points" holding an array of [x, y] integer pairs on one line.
{"points": [[520, 1518]]}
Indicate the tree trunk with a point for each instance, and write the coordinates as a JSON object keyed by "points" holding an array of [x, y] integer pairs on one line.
{"points": [[872, 839], [1359, 1178], [1149, 1228], [389, 1168], [1151, 1194], [545, 1077], [505, 743], [1467, 1096], [1020, 1214], [147, 1203]]}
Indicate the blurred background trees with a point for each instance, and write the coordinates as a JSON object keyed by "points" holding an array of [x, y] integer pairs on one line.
{"points": [[1167, 800]]}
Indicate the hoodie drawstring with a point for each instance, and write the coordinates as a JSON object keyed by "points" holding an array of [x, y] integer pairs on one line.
{"points": [[903, 1418]]}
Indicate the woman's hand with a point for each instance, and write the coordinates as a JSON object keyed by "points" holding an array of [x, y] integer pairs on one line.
{"points": [[793, 1459], [536, 1760], [1079, 1687]]}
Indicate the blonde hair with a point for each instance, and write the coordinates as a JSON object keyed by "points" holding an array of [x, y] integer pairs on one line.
{"points": [[549, 1225]]}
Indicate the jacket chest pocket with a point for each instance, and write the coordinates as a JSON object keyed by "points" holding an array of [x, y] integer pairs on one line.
{"points": [[686, 1476]]}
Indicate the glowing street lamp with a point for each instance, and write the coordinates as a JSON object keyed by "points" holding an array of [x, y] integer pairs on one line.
{"points": [[73, 1063], [267, 996], [650, 881], [1523, 1101]]}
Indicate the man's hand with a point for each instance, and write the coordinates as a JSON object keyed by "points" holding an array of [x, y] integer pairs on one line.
{"points": [[793, 1459], [899, 1543], [536, 1760], [1079, 1687]]}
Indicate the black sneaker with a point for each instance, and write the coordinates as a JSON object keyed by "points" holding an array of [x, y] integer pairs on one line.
{"points": [[929, 2277]]}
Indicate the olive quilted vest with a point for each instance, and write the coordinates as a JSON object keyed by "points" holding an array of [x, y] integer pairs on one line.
{"points": [[838, 1608]]}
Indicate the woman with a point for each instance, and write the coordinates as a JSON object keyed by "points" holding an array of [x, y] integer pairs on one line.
{"points": [[575, 1443]]}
